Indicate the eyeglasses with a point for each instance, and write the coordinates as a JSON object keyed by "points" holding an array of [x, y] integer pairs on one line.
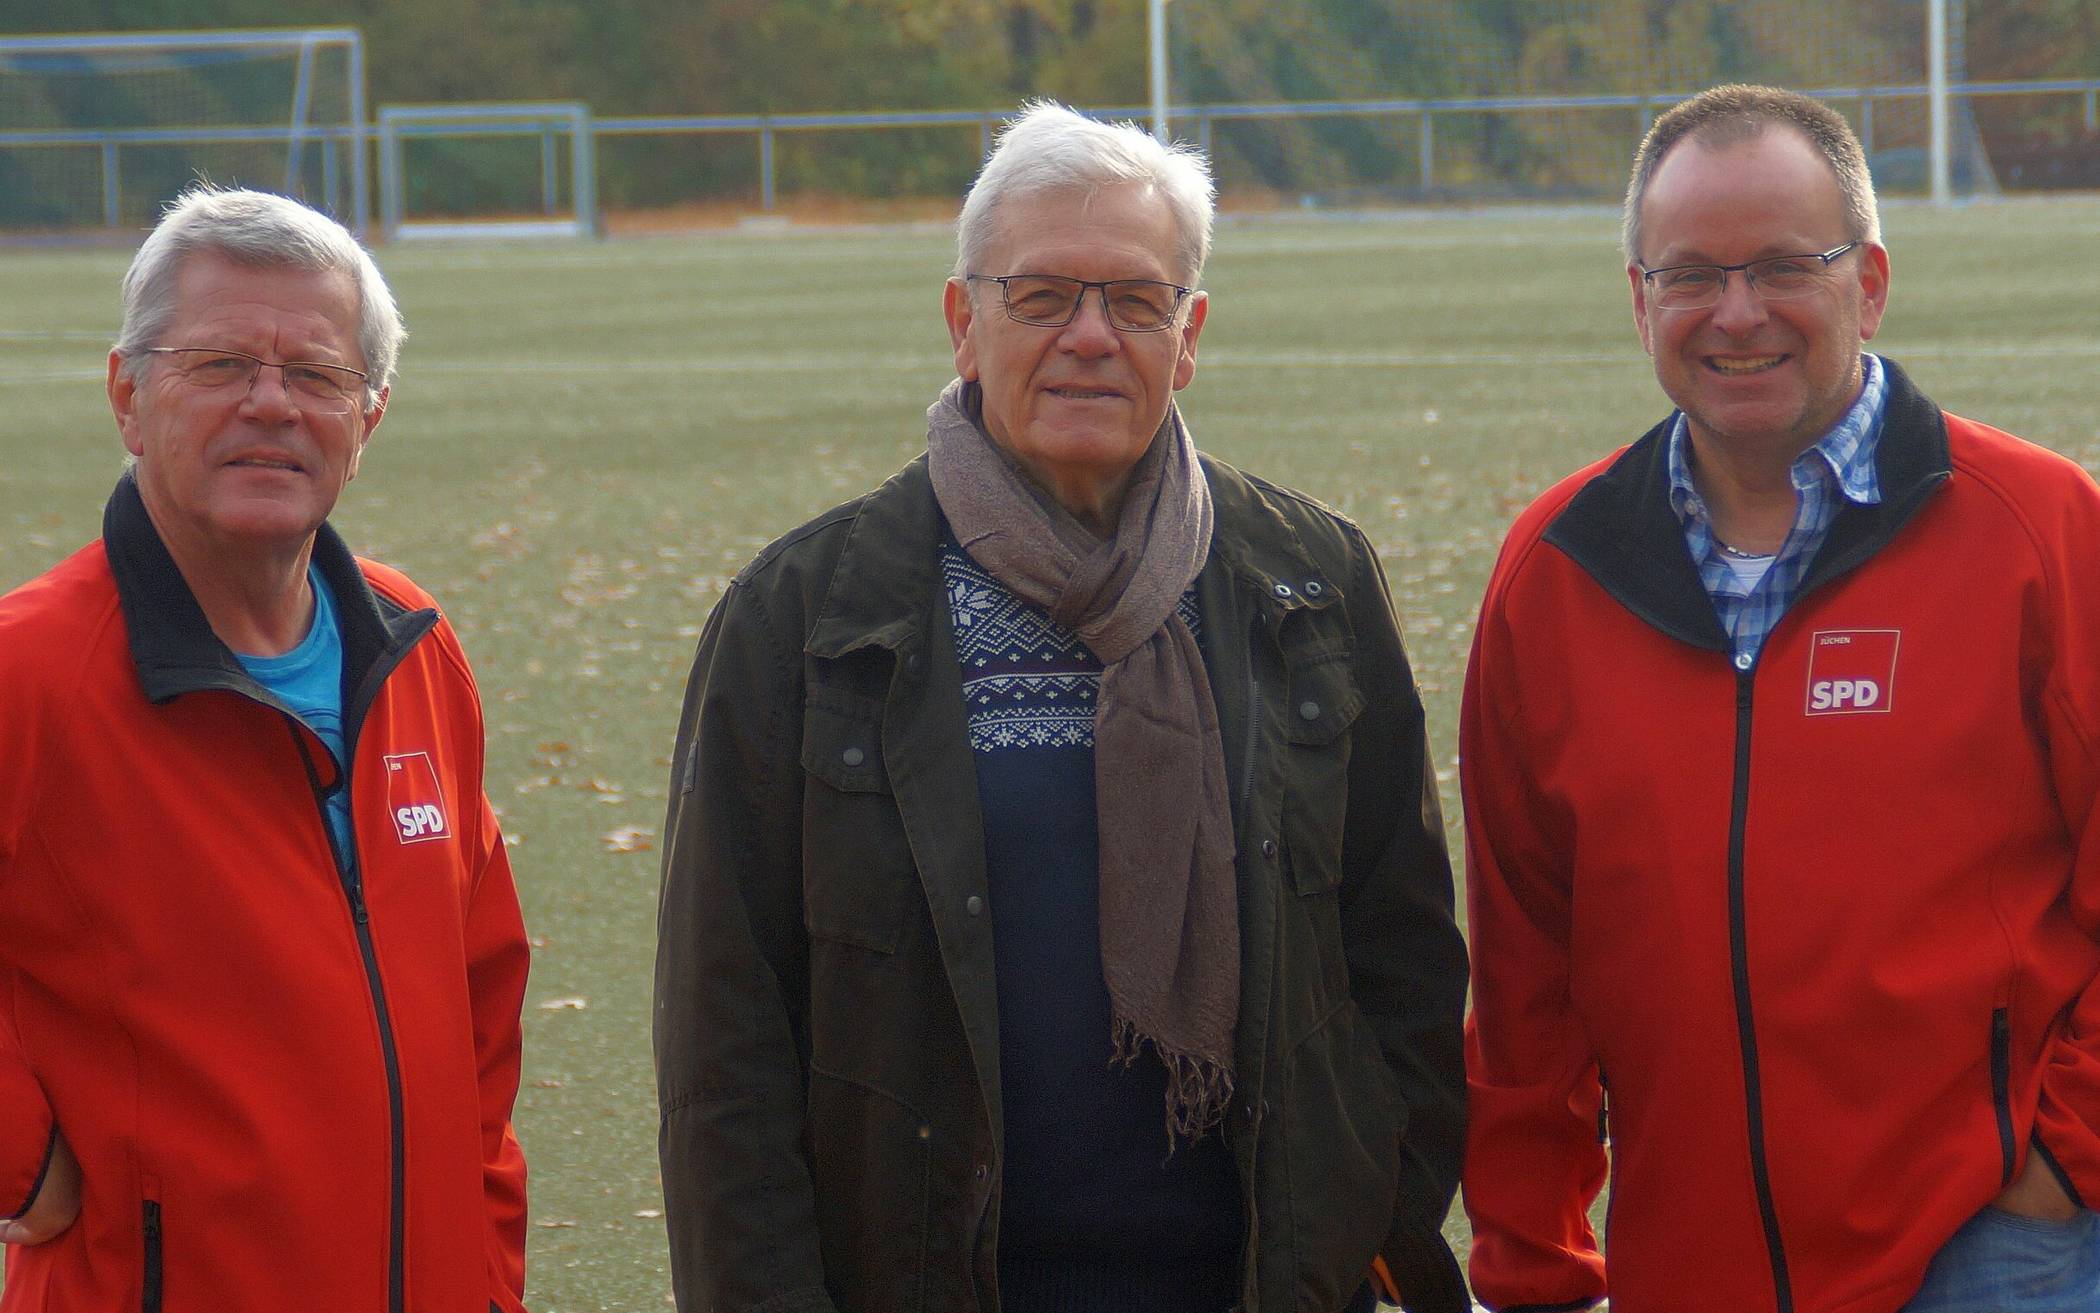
{"points": [[312, 386], [1779, 278], [1136, 305]]}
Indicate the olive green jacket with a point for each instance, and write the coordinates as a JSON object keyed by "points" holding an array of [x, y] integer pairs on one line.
{"points": [[826, 1023]]}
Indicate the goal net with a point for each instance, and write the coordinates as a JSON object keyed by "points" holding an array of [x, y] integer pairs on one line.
{"points": [[487, 170], [99, 131]]}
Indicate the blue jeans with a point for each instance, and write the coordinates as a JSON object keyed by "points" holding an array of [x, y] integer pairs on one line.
{"points": [[2000, 1262]]}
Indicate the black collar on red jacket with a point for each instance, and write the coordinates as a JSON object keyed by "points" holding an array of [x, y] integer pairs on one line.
{"points": [[1621, 530], [174, 647]]}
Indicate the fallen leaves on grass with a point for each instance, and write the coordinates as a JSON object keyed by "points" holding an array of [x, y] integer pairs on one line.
{"points": [[573, 1003], [629, 839]]}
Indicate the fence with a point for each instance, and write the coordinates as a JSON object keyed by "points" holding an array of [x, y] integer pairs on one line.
{"points": [[1423, 115], [1442, 137]]}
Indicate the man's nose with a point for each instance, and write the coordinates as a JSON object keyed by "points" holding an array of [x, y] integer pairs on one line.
{"points": [[270, 391], [1741, 306], [1090, 333]]}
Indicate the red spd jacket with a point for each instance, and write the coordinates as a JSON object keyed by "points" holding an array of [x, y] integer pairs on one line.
{"points": [[1827, 928], [287, 1087]]}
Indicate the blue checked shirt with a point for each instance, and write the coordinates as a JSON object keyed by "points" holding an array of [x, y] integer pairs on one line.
{"points": [[1841, 464]]}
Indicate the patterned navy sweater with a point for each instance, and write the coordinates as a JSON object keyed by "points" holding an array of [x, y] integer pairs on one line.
{"points": [[1095, 1214]]}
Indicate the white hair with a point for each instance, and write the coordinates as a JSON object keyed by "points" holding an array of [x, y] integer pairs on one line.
{"points": [[260, 231], [1049, 148]]}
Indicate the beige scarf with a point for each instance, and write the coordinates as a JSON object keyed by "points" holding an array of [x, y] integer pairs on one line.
{"points": [[1170, 941]]}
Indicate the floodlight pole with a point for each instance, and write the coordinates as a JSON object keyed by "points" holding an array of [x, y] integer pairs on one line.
{"points": [[1158, 26], [1936, 84]]}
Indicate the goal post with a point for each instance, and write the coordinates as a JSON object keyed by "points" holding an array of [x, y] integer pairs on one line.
{"points": [[491, 170], [99, 130]]}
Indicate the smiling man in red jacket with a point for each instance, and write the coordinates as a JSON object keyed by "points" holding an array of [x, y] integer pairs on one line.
{"points": [[261, 961], [1779, 757]]}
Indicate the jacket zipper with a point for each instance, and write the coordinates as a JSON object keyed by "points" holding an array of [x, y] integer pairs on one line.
{"points": [[149, 1297], [354, 893], [1739, 970], [2001, 1088]]}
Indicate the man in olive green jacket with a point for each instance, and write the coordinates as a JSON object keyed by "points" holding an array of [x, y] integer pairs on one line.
{"points": [[1056, 916]]}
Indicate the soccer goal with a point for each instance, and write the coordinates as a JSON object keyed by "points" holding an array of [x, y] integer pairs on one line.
{"points": [[493, 170], [97, 132]]}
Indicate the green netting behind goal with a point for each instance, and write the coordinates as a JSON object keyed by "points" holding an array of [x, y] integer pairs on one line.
{"points": [[1628, 58], [100, 131]]}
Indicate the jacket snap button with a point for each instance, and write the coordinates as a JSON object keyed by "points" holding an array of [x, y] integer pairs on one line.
{"points": [[982, 1171], [1268, 847], [1283, 590], [973, 905], [1312, 588], [1308, 711], [853, 756]]}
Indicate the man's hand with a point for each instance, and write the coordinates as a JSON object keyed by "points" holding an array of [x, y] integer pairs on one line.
{"points": [[56, 1204], [2037, 1193]]}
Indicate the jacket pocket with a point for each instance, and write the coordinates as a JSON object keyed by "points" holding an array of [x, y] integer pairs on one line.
{"points": [[149, 1282], [856, 861], [2001, 1090], [1324, 702], [1343, 1122], [872, 1163]]}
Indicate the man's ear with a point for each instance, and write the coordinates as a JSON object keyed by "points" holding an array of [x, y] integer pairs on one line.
{"points": [[1185, 363], [123, 392], [370, 419], [1873, 289], [1640, 307], [956, 308]]}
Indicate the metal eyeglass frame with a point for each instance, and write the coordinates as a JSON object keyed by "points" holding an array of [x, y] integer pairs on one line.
{"points": [[350, 395], [1181, 296], [1648, 275]]}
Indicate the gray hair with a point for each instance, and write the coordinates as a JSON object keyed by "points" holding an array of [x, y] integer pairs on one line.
{"points": [[1049, 148], [260, 231], [1729, 115]]}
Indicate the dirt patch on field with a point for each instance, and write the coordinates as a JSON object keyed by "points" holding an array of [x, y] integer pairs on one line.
{"points": [[814, 211]]}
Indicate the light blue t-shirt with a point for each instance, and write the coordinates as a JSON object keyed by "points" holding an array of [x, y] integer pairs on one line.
{"points": [[309, 680]]}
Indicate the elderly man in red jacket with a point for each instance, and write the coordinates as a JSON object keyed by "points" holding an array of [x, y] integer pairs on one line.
{"points": [[1781, 743], [261, 959]]}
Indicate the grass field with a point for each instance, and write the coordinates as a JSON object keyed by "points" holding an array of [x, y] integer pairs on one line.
{"points": [[588, 440]]}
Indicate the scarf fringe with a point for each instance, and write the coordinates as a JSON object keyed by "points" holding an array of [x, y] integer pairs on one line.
{"points": [[1199, 1090]]}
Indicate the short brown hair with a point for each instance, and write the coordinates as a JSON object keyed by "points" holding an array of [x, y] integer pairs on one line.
{"points": [[1727, 115]]}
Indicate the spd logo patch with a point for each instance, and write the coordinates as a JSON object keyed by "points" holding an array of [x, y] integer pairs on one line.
{"points": [[414, 800], [1852, 672]]}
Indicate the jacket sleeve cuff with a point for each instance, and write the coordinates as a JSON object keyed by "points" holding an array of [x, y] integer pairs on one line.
{"points": [[28, 1130], [2065, 1138], [1425, 1272], [2056, 1169], [24, 1198]]}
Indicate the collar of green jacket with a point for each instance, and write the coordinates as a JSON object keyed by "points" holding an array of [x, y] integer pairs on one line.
{"points": [[884, 583]]}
